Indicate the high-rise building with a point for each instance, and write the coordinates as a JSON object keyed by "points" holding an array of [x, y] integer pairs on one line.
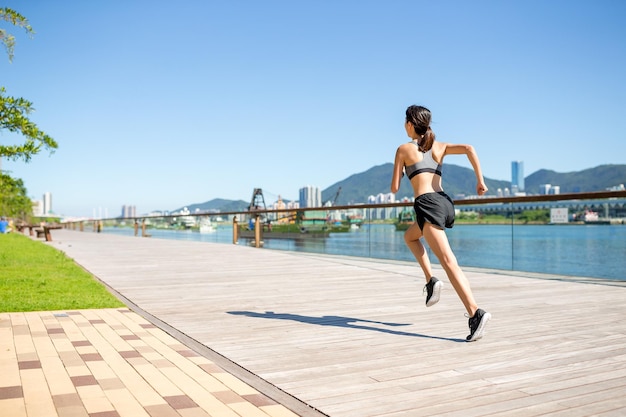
{"points": [[383, 212], [310, 197], [546, 189], [381, 198], [37, 207], [517, 176], [129, 211], [47, 203]]}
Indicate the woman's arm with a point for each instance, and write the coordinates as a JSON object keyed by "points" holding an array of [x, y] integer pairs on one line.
{"points": [[398, 171], [472, 156]]}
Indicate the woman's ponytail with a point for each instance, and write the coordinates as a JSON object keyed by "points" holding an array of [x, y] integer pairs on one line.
{"points": [[427, 141], [420, 117]]}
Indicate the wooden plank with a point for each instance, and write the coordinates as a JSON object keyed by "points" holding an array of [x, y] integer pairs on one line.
{"points": [[352, 337]]}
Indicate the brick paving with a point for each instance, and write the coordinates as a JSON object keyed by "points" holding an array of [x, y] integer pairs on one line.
{"points": [[113, 363]]}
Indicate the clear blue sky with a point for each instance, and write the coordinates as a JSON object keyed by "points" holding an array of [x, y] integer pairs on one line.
{"points": [[162, 104]]}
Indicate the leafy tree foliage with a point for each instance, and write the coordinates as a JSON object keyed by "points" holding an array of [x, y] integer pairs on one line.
{"points": [[534, 216], [14, 111], [13, 199], [13, 17], [14, 118]]}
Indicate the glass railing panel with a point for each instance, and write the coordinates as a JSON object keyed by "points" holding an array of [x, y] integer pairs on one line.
{"points": [[481, 245], [580, 250], [508, 235]]}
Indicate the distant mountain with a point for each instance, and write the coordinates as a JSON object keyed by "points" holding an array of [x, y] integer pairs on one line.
{"points": [[593, 179], [217, 205], [457, 181]]}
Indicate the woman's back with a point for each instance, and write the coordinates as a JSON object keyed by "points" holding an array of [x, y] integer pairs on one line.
{"points": [[423, 170]]}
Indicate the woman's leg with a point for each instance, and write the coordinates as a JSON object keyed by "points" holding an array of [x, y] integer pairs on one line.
{"points": [[438, 242], [412, 238]]}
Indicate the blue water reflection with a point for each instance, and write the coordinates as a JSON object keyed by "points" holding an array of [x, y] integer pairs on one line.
{"points": [[577, 250]]}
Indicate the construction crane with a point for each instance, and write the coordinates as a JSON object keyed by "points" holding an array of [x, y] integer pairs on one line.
{"points": [[257, 200], [334, 202], [336, 195], [257, 203]]}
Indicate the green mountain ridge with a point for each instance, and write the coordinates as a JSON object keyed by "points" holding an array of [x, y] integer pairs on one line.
{"points": [[457, 181]]}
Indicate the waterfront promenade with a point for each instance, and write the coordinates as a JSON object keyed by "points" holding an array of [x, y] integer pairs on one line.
{"points": [[337, 336]]}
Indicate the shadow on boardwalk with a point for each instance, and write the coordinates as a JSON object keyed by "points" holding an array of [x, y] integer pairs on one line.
{"points": [[347, 322]]}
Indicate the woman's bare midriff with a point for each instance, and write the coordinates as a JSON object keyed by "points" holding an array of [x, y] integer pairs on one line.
{"points": [[426, 183]]}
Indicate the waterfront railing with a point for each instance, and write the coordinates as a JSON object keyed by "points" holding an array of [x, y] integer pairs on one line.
{"points": [[522, 233]]}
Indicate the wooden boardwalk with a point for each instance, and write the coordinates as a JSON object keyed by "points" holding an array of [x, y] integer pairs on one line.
{"points": [[352, 337]]}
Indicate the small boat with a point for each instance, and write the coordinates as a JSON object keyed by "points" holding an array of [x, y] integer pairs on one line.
{"points": [[592, 217], [206, 226], [184, 219], [405, 219]]}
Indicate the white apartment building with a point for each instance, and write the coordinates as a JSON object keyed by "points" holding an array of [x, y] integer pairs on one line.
{"points": [[310, 197]]}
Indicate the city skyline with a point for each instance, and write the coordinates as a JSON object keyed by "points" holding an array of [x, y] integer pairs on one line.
{"points": [[312, 194], [225, 101]]}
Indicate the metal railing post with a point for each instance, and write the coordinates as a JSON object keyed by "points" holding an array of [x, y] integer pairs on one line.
{"points": [[257, 231]]}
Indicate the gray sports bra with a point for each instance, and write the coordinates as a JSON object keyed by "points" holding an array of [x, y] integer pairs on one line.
{"points": [[427, 164]]}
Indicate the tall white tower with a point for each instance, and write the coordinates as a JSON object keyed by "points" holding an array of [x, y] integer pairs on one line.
{"points": [[47, 203], [517, 175], [310, 196]]}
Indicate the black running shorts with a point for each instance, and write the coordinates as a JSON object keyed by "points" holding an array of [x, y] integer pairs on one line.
{"points": [[434, 208]]}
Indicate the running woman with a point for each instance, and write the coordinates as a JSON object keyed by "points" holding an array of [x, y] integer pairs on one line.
{"points": [[421, 160]]}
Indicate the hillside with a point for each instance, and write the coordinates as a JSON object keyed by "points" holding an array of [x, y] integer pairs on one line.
{"points": [[593, 179], [358, 187], [217, 205], [457, 181]]}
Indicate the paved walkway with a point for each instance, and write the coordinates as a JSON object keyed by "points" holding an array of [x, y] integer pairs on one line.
{"points": [[224, 330], [113, 363]]}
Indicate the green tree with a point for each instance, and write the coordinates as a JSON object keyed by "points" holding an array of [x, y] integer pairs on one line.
{"points": [[13, 199], [534, 216], [14, 111], [16, 19]]}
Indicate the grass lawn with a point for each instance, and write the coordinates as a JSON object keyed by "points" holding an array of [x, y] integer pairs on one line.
{"points": [[37, 277]]}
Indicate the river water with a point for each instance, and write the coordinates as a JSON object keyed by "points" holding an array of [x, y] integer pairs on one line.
{"points": [[578, 250]]}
